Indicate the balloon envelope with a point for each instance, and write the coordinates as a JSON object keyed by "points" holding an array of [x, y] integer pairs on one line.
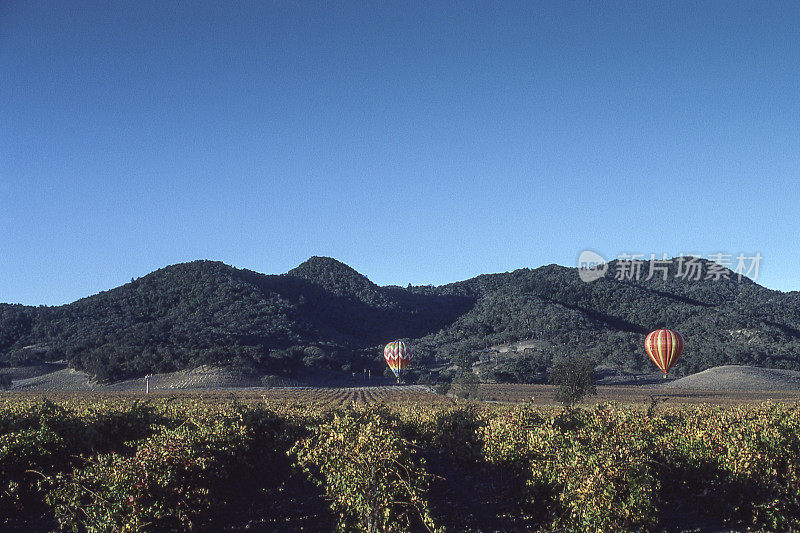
{"points": [[398, 355], [664, 347]]}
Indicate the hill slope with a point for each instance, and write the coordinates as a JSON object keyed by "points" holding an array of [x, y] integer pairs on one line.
{"points": [[206, 312], [324, 314], [727, 321], [738, 378]]}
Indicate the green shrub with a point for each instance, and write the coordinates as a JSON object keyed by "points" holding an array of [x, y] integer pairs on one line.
{"points": [[443, 387], [173, 481], [602, 470], [466, 385], [112, 464], [375, 479], [741, 463], [574, 377], [26, 456], [585, 471], [454, 432]]}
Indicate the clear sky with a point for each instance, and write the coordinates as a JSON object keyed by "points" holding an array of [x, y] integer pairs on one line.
{"points": [[417, 142]]}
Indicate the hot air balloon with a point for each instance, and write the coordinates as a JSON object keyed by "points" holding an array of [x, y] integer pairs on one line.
{"points": [[664, 347], [397, 355]]}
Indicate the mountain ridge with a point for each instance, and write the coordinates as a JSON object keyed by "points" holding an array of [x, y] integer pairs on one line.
{"points": [[325, 314]]}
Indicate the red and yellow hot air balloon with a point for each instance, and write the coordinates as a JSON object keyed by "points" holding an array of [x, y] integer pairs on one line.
{"points": [[664, 347], [398, 355]]}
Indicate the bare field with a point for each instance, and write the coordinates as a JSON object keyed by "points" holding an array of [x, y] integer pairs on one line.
{"points": [[504, 393], [729, 384], [544, 395], [320, 396]]}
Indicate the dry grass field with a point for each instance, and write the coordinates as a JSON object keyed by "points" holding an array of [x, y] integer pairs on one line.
{"points": [[543, 395], [503, 393], [724, 385]]}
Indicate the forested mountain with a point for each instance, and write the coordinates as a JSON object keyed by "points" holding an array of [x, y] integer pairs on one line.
{"points": [[723, 321], [325, 314]]}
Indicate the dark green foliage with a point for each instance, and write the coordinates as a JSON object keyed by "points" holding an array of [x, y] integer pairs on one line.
{"points": [[321, 315], [171, 482], [443, 387], [48, 438], [723, 322], [574, 377], [325, 315], [464, 361], [465, 384], [530, 367]]}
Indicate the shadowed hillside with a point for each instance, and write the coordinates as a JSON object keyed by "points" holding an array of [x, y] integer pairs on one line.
{"points": [[323, 314], [725, 321]]}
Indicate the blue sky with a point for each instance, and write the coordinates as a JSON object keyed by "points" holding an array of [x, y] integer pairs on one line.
{"points": [[417, 142]]}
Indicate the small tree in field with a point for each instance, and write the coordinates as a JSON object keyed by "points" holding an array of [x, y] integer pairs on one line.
{"points": [[574, 377]]}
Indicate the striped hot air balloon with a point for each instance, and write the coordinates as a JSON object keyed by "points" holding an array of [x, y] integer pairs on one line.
{"points": [[397, 355], [664, 347]]}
